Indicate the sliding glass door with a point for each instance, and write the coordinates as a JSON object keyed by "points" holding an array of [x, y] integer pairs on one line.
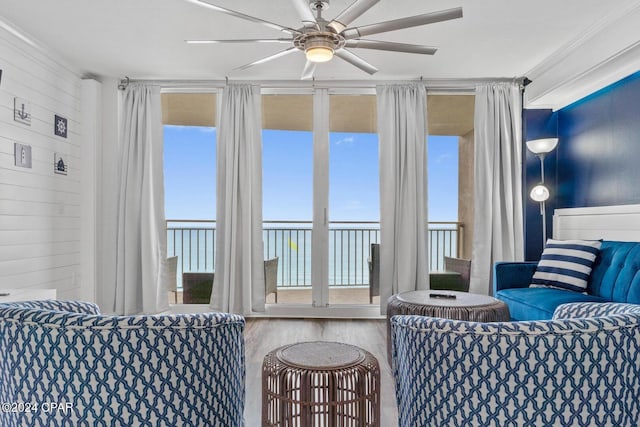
{"points": [[287, 180], [320, 196], [354, 198]]}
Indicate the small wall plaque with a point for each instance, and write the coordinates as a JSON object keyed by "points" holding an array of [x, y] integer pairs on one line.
{"points": [[59, 166], [60, 127], [22, 154], [22, 111]]}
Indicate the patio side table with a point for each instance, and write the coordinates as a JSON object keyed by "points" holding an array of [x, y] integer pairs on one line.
{"points": [[445, 304], [320, 384]]}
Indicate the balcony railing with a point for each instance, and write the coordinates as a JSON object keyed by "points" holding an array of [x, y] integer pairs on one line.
{"points": [[193, 241]]}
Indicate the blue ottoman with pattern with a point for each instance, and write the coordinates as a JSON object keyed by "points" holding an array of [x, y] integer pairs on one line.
{"points": [[64, 364], [580, 369]]}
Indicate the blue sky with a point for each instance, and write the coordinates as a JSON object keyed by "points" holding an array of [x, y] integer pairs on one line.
{"points": [[190, 182]]}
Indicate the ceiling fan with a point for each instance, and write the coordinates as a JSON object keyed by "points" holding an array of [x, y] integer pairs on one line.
{"points": [[321, 39]]}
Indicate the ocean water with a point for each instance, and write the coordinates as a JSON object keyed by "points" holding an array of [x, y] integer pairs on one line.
{"points": [[349, 251]]}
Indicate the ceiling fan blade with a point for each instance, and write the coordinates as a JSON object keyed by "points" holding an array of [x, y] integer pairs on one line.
{"points": [[304, 10], [390, 46], [309, 69], [240, 41], [245, 17], [355, 60], [398, 24], [268, 58], [350, 14]]}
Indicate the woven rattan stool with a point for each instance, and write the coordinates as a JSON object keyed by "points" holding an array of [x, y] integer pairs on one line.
{"points": [[320, 384]]}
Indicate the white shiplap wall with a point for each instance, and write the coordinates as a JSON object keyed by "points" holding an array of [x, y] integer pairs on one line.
{"points": [[39, 210]]}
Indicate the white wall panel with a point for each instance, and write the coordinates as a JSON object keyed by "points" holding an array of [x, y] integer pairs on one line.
{"points": [[40, 211], [92, 138], [26, 251], [601, 222]]}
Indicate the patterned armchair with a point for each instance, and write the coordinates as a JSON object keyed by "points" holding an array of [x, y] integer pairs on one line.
{"points": [[580, 369], [62, 363]]}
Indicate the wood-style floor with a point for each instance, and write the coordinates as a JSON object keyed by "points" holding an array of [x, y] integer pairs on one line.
{"points": [[263, 335]]}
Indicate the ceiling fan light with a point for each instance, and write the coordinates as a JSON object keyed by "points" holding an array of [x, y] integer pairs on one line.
{"points": [[319, 54], [319, 48]]}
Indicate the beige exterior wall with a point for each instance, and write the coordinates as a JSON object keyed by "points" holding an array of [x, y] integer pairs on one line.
{"points": [[448, 114], [189, 109], [465, 191]]}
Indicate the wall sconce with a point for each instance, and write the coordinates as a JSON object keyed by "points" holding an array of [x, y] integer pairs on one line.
{"points": [[540, 193]]}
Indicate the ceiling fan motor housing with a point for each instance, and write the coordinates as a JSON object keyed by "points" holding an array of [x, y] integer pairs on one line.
{"points": [[319, 4], [318, 39]]}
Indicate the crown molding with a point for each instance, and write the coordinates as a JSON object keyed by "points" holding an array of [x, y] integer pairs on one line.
{"points": [[33, 47], [604, 53]]}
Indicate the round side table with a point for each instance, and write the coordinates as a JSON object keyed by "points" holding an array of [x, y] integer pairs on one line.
{"points": [[320, 384], [445, 304]]}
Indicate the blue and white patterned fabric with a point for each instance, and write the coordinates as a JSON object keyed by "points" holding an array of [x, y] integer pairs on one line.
{"points": [[566, 264], [580, 310], [55, 305], [566, 372], [63, 364]]}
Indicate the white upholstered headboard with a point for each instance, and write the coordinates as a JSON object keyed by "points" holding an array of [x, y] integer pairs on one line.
{"points": [[602, 222]]}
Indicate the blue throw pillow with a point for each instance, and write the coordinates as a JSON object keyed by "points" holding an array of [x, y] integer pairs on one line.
{"points": [[566, 264]]}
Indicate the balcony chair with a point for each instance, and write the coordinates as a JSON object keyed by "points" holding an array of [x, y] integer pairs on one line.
{"points": [[462, 266], [439, 280], [271, 277], [455, 277], [172, 279], [374, 272], [578, 369], [98, 370], [197, 287]]}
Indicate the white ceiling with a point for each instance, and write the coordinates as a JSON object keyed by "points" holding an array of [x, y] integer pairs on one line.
{"points": [[144, 39]]}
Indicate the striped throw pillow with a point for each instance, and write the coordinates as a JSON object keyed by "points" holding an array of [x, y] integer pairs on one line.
{"points": [[566, 264]]}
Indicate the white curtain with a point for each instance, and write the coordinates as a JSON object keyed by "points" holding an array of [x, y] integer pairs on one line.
{"points": [[402, 124], [239, 277], [498, 222], [141, 270]]}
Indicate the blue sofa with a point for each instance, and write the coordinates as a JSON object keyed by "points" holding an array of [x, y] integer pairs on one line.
{"points": [[615, 278]]}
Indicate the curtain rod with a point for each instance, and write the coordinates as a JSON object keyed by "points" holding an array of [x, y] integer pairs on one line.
{"points": [[445, 85]]}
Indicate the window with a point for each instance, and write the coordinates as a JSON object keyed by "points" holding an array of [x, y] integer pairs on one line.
{"points": [[190, 181], [320, 186], [450, 169]]}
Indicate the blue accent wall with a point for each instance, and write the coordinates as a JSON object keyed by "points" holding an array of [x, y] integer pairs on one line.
{"points": [[599, 151], [597, 162]]}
